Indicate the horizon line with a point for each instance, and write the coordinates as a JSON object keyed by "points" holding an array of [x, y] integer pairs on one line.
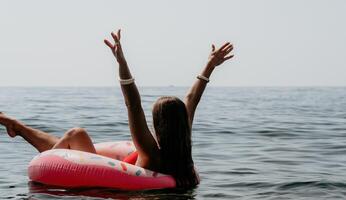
{"points": [[214, 86]]}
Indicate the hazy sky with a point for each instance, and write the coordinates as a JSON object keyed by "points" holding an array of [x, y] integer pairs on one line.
{"points": [[277, 43]]}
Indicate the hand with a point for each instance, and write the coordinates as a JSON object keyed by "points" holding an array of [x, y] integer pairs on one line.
{"points": [[217, 57], [116, 48]]}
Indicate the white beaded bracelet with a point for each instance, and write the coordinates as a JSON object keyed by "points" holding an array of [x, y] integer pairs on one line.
{"points": [[201, 77], [126, 81]]}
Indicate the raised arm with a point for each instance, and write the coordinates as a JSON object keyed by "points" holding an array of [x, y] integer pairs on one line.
{"points": [[141, 136], [216, 57]]}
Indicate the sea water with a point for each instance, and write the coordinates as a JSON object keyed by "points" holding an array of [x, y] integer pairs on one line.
{"points": [[248, 143]]}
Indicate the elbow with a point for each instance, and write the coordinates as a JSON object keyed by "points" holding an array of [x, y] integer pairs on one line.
{"points": [[192, 98], [189, 97]]}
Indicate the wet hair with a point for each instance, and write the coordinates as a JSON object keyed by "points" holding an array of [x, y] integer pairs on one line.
{"points": [[173, 132]]}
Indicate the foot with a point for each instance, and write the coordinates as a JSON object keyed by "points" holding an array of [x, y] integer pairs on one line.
{"points": [[8, 123]]}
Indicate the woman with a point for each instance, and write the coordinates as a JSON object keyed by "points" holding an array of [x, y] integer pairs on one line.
{"points": [[170, 151]]}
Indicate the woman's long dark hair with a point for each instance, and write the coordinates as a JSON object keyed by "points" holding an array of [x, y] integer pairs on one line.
{"points": [[173, 131]]}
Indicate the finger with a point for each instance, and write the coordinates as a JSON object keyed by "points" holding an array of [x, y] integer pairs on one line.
{"points": [[228, 49], [230, 46], [115, 37], [212, 47], [223, 46], [109, 44], [228, 57], [119, 34]]}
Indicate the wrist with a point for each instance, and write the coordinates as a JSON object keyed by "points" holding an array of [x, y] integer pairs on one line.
{"points": [[122, 62], [207, 71], [210, 65]]}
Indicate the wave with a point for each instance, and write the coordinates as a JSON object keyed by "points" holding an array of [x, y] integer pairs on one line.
{"points": [[285, 185]]}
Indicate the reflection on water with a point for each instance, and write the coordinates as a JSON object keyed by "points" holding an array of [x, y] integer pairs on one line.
{"points": [[43, 191], [248, 143]]}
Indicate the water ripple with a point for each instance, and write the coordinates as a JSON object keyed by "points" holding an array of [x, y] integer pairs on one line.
{"points": [[248, 143]]}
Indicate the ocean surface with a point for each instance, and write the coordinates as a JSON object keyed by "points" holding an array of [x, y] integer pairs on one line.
{"points": [[248, 143]]}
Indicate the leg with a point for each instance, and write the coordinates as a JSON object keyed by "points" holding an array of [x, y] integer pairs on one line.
{"points": [[40, 140], [77, 139]]}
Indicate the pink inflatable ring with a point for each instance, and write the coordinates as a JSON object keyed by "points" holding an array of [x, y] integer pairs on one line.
{"points": [[71, 168]]}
